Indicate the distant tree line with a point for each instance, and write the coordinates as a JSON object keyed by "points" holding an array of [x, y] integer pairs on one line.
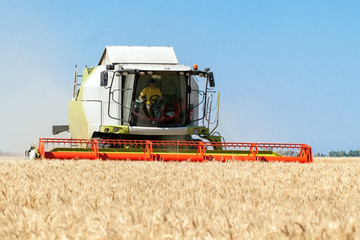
{"points": [[351, 153]]}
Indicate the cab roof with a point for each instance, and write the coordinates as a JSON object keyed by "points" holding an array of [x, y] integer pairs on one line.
{"points": [[138, 55]]}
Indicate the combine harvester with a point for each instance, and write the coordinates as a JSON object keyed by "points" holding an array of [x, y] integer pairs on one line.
{"points": [[140, 104]]}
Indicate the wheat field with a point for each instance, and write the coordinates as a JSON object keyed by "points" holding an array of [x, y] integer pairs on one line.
{"points": [[157, 200]]}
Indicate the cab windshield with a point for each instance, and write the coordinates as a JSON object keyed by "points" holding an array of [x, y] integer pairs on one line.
{"points": [[159, 100]]}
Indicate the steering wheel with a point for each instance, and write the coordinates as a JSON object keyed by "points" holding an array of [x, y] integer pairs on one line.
{"points": [[153, 99]]}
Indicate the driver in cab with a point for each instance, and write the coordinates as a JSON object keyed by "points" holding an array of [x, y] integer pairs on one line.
{"points": [[151, 95]]}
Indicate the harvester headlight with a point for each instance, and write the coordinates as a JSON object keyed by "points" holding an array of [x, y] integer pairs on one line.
{"points": [[201, 74], [150, 72], [118, 74], [106, 130], [181, 73], [196, 131], [142, 73], [188, 74], [125, 73], [116, 129]]}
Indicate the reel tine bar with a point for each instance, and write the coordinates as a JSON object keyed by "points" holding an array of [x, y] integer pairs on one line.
{"points": [[137, 150]]}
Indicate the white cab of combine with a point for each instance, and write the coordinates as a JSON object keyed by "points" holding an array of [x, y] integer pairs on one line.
{"points": [[142, 93]]}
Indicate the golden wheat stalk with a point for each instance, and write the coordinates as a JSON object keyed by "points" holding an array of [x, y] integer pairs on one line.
{"points": [[157, 200]]}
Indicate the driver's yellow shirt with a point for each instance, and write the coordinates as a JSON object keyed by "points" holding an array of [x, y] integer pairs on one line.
{"points": [[148, 92]]}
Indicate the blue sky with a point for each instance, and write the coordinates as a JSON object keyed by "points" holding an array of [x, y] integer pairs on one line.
{"points": [[287, 71]]}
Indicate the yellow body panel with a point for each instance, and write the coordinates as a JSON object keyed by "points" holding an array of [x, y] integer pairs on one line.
{"points": [[78, 124]]}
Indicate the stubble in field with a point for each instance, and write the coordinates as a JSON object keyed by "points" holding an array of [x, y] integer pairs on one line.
{"points": [[145, 200]]}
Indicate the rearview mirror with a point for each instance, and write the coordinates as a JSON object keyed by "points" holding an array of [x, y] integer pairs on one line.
{"points": [[210, 78], [104, 78]]}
